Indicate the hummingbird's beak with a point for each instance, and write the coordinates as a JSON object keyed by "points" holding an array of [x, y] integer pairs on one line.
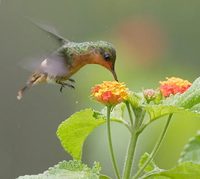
{"points": [[114, 74]]}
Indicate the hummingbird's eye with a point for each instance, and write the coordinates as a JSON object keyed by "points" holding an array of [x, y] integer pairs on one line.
{"points": [[107, 56]]}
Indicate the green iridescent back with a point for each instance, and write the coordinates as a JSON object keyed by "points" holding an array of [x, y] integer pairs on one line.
{"points": [[71, 48]]}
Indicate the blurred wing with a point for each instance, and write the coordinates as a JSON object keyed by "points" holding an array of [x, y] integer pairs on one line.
{"points": [[31, 64], [54, 65], [50, 30]]}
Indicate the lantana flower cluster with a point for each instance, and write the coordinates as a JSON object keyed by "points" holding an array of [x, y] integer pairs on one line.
{"points": [[110, 92], [173, 86]]}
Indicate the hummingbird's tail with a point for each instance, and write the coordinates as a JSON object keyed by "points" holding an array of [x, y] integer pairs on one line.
{"points": [[35, 79]]}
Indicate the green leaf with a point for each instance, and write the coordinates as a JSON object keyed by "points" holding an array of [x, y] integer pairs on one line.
{"points": [[187, 170], [68, 169], [157, 111], [195, 109], [73, 131], [116, 113], [191, 151], [151, 166], [104, 177]]}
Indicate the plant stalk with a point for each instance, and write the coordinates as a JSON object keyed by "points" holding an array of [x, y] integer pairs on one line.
{"points": [[140, 120], [155, 149], [130, 156], [114, 163], [130, 113]]}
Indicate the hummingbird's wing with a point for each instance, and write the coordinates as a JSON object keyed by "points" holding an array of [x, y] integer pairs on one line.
{"points": [[54, 65], [51, 31]]}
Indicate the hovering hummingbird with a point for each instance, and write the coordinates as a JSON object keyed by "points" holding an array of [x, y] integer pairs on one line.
{"points": [[59, 66]]}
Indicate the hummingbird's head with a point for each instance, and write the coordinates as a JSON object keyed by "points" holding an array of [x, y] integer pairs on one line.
{"points": [[105, 55]]}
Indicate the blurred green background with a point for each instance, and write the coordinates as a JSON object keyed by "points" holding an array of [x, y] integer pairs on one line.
{"points": [[153, 39]]}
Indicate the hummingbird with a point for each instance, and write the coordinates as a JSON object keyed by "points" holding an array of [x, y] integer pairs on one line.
{"points": [[59, 66]]}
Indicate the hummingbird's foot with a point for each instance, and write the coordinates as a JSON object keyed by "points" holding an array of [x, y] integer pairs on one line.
{"points": [[65, 84], [61, 88], [71, 80]]}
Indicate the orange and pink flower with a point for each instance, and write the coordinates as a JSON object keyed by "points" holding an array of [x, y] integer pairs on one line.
{"points": [[173, 86], [110, 92]]}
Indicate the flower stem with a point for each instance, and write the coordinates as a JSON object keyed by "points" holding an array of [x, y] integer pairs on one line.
{"points": [[130, 114], [130, 155], [124, 123], [155, 149], [140, 120], [110, 143]]}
